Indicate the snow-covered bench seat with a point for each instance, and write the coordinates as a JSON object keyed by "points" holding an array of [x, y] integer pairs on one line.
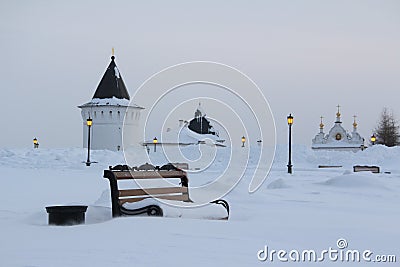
{"points": [[167, 183]]}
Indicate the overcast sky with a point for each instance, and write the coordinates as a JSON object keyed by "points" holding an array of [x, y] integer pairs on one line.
{"points": [[306, 56]]}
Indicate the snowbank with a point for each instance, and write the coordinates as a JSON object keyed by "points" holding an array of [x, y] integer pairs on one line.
{"points": [[310, 209]]}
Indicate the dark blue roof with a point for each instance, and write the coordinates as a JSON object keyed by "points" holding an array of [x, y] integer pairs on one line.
{"points": [[112, 85]]}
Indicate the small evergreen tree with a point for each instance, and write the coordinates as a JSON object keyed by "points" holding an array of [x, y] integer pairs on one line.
{"points": [[387, 130]]}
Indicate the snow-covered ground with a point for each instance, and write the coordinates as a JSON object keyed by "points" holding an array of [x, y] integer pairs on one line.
{"points": [[308, 210]]}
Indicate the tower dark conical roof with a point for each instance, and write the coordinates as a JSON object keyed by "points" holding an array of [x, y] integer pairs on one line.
{"points": [[112, 85]]}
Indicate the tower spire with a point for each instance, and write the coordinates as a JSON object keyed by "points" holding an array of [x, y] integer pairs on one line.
{"points": [[321, 126], [338, 114], [354, 123], [112, 54]]}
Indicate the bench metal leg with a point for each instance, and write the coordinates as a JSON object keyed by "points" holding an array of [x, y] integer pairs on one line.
{"points": [[223, 203]]}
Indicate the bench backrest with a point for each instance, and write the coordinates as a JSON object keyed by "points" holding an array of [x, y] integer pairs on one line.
{"points": [[373, 169]]}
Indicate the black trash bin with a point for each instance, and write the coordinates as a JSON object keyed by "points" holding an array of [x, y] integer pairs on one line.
{"points": [[66, 215]]}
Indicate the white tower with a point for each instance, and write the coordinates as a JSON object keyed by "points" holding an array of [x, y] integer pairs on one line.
{"points": [[108, 108]]}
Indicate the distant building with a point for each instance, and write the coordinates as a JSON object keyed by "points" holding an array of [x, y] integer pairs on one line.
{"points": [[198, 131], [200, 124], [338, 138], [108, 108]]}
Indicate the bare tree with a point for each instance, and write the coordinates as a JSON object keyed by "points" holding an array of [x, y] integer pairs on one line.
{"points": [[387, 130]]}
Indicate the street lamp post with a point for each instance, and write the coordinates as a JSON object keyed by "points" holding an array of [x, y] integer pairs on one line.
{"points": [[89, 125], [243, 140], [290, 123], [373, 139], [155, 141], [35, 143]]}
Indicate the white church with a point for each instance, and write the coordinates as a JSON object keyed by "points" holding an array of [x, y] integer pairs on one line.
{"points": [[108, 109], [338, 138]]}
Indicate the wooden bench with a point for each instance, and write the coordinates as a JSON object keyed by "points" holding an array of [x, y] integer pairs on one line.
{"points": [[359, 168], [166, 173]]}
